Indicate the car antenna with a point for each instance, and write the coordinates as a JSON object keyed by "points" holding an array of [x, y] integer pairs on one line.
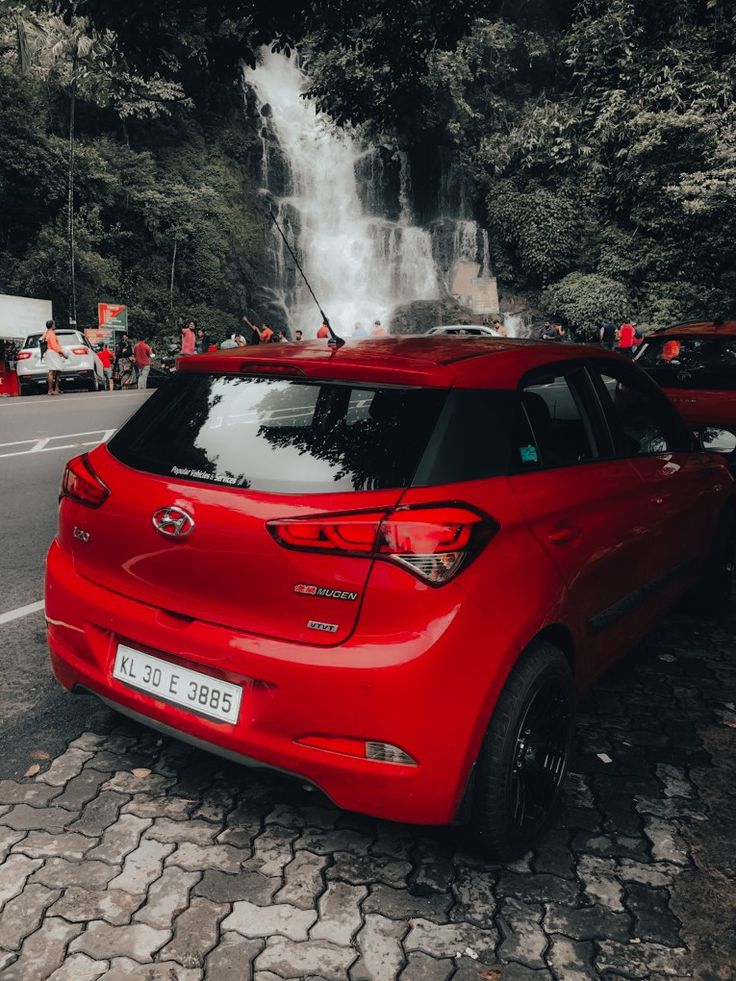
{"points": [[334, 340]]}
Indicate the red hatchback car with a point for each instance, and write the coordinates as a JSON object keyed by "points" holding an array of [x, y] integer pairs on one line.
{"points": [[387, 567], [695, 363]]}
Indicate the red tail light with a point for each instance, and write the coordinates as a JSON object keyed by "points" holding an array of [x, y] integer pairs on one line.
{"points": [[23, 355], [80, 350], [432, 541], [82, 483]]}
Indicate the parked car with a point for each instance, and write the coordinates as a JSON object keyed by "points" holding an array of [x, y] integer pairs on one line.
{"points": [[388, 567], [464, 330], [82, 366], [695, 363]]}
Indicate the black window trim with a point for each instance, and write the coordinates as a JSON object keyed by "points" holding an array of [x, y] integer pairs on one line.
{"points": [[596, 368], [591, 413]]}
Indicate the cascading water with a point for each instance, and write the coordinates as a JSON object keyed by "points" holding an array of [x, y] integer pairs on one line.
{"points": [[360, 263]]}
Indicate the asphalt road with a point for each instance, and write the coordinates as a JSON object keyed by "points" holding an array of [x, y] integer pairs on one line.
{"points": [[37, 436]]}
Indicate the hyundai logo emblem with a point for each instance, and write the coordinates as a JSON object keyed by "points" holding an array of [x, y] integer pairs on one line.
{"points": [[173, 522]]}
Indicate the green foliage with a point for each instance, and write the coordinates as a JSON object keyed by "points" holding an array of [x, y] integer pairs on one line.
{"points": [[585, 301]]}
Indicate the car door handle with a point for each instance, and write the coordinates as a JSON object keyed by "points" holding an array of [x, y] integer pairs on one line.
{"points": [[563, 536]]}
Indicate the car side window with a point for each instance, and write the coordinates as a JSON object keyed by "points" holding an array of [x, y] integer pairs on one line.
{"points": [[640, 417], [554, 404]]}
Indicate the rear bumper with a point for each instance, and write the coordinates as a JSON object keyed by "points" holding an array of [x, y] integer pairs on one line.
{"points": [[409, 694], [39, 377]]}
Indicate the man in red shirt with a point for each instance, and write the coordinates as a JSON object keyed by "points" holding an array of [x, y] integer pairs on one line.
{"points": [[324, 331], [142, 354], [106, 357], [626, 339]]}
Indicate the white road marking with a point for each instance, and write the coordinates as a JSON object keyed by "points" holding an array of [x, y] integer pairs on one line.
{"points": [[40, 445], [64, 399], [21, 611]]}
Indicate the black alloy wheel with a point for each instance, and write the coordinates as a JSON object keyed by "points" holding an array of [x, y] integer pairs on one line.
{"points": [[521, 767]]}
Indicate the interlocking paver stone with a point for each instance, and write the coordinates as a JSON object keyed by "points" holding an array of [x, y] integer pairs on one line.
{"points": [[13, 874], [43, 951], [667, 846], [364, 869], [446, 940], [339, 913], [422, 967], [600, 882], [324, 842], [587, 922], [196, 857], [654, 874], [653, 918], [571, 960], [639, 960], [148, 806], [381, 955], [112, 905], [231, 958], [198, 832], [128, 783], [138, 941], [536, 888], [44, 844], [433, 872], [89, 742], [399, 904], [80, 790], [475, 900], [523, 938], [125, 969], [229, 887], [23, 817], [195, 932], [272, 850], [99, 814], [22, 915], [167, 897], [303, 880], [266, 921], [298, 960], [8, 838], [79, 967], [61, 873], [36, 794], [119, 839], [142, 866], [64, 767]]}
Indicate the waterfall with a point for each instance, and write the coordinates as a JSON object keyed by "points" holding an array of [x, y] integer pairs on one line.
{"points": [[360, 261]]}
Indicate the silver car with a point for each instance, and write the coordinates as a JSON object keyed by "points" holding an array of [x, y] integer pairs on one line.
{"points": [[83, 367]]}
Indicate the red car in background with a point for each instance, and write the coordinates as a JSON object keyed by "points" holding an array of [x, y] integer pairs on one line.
{"points": [[695, 364], [387, 567]]}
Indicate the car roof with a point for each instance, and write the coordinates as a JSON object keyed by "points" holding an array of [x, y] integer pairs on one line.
{"points": [[435, 361], [707, 328]]}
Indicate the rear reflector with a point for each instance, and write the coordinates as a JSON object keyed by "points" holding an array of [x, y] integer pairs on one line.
{"points": [[360, 748], [81, 483], [80, 350], [270, 368], [431, 541], [23, 355]]}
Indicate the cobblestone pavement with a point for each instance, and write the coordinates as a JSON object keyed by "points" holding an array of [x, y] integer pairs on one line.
{"points": [[132, 856]]}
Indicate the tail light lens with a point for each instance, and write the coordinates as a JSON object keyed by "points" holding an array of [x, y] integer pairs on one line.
{"points": [[433, 542], [81, 483], [23, 355], [80, 350]]}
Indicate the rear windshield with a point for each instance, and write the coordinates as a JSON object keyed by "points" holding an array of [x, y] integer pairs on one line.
{"points": [[281, 435], [690, 362], [67, 336]]}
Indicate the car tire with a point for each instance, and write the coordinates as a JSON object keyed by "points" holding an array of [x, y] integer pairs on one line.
{"points": [[523, 760], [713, 592]]}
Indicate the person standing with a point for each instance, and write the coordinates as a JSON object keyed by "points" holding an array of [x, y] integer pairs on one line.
{"points": [[142, 353], [378, 330], [106, 358], [125, 363], [625, 337], [607, 335], [298, 335], [358, 331], [323, 332], [500, 328], [55, 357], [203, 341], [189, 338]]}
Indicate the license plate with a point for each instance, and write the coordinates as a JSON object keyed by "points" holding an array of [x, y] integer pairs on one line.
{"points": [[200, 693]]}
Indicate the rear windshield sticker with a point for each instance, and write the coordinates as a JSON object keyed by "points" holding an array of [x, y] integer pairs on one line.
{"points": [[528, 454]]}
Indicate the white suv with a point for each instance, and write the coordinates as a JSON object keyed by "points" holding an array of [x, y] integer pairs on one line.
{"points": [[465, 330], [82, 367]]}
